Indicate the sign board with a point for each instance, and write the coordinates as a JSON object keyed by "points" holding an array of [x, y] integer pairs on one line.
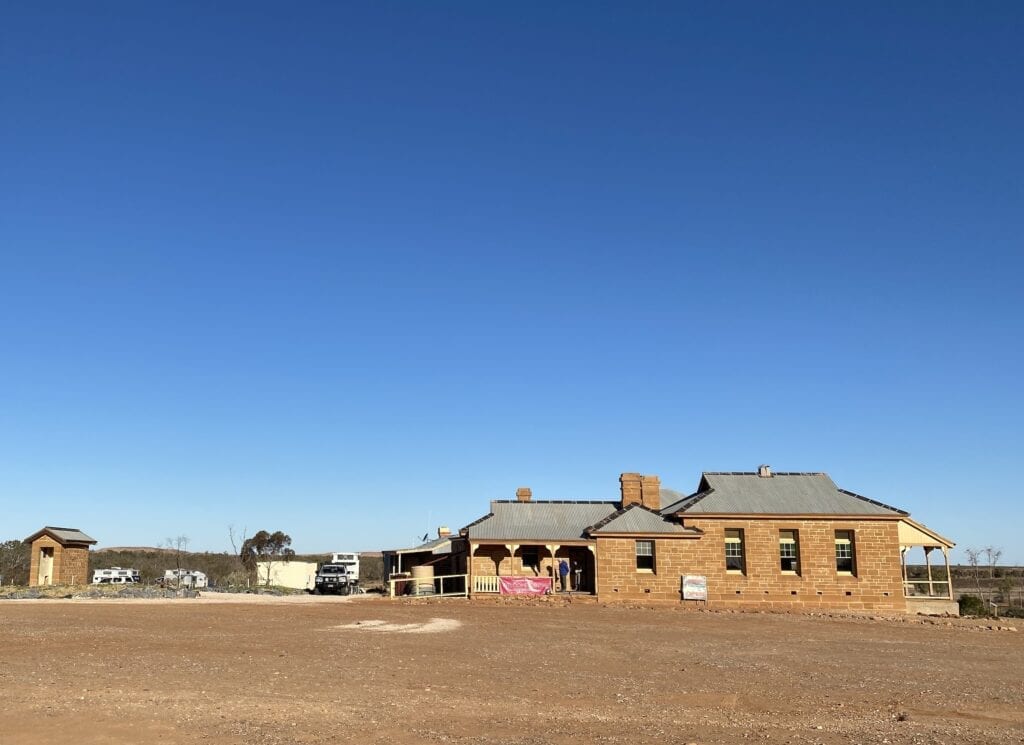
{"points": [[524, 585], [695, 587]]}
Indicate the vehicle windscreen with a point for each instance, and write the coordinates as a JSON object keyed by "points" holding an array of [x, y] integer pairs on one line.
{"points": [[329, 569]]}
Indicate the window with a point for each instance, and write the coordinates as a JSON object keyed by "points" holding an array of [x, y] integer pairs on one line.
{"points": [[645, 556], [846, 557], [531, 557], [789, 551], [734, 551]]}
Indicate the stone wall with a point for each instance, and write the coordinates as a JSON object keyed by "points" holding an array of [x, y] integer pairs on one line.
{"points": [[70, 563], [74, 566], [876, 584]]}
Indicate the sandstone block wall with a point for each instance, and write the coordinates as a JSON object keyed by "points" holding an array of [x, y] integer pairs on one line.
{"points": [[876, 585], [70, 564]]}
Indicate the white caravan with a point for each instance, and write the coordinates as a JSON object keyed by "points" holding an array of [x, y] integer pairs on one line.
{"points": [[185, 578], [350, 562], [115, 576]]}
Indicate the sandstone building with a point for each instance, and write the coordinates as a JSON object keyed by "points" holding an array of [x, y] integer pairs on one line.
{"points": [[764, 539], [60, 556]]}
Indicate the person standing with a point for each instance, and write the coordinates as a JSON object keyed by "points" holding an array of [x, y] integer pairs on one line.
{"points": [[563, 572]]}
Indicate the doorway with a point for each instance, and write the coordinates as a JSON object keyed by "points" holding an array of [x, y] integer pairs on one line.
{"points": [[45, 576]]}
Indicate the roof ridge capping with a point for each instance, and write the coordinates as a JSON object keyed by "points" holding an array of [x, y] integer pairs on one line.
{"points": [[556, 501], [875, 502], [619, 513], [755, 473], [688, 501]]}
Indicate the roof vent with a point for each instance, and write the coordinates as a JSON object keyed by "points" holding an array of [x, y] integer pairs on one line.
{"points": [[764, 471], [523, 494]]}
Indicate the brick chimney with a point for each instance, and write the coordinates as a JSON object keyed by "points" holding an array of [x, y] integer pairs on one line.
{"points": [[523, 494], [443, 532], [650, 492], [764, 472], [632, 491]]}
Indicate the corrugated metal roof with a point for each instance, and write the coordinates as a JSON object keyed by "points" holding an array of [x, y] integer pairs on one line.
{"points": [[64, 535], [440, 545], [636, 519], [782, 493], [534, 521]]}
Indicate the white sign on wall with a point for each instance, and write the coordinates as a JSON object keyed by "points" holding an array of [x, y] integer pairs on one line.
{"points": [[695, 587]]}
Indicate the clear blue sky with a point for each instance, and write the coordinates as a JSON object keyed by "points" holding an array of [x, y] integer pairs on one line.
{"points": [[352, 270]]}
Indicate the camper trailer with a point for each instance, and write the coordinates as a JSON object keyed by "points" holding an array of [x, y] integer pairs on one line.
{"points": [[350, 561], [115, 576], [185, 578]]}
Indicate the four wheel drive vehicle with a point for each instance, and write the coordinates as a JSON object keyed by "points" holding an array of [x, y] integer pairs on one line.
{"points": [[334, 578]]}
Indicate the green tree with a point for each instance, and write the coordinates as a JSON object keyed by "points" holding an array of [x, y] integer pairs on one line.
{"points": [[266, 547], [14, 562]]}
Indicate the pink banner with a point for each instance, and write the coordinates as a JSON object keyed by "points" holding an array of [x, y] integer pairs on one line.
{"points": [[524, 585]]}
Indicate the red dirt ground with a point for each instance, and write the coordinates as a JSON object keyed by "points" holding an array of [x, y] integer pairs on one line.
{"points": [[319, 670]]}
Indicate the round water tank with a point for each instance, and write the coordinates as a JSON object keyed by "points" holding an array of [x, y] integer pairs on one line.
{"points": [[423, 580]]}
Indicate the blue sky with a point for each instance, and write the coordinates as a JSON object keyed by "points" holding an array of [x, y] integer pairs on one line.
{"points": [[351, 271]]}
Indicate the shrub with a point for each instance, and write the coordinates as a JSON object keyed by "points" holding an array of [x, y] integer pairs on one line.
{"points": [[972, 605]]}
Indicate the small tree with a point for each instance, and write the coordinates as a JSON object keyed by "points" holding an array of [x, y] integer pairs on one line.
{"points": [[265, 547], [14, 562], [974, 562], [236, 538], [992, 557], [179, 546]]}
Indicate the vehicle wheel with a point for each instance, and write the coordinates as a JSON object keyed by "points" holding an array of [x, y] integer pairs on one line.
{"points": [[316, 590]]}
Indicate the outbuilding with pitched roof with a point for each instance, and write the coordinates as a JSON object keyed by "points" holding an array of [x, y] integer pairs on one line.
{"points": [[60, 556]]}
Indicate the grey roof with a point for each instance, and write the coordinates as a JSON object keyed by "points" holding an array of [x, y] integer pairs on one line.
{"points": [[63, 535], [638, 519], [440, 545], [536, 521], [781, 493]]}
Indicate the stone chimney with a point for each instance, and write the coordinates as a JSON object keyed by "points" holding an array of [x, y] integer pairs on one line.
{"points": [[632, 490], [523, 494], [650, 492], [764, 472], [443, 532]]}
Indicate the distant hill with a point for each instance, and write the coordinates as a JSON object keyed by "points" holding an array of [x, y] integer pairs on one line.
{"points": [[139, 549]]}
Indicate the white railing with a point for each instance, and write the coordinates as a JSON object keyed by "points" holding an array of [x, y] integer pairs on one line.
{"points": [[438, 586], [485, 583]]}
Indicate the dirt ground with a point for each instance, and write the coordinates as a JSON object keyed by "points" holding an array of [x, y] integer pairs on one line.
{"points": [[366, 670]]}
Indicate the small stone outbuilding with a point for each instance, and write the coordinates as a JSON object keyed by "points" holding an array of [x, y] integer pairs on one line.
{"points": [[60, 556]]}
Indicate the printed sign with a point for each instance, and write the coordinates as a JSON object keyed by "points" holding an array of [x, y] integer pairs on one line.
{"points": [[695, 587], [524, 585]]}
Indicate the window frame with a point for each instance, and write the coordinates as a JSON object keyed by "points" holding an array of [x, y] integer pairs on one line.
{"points": [[846, 538], [734, 537], [789, 539], [534, 552], [643, 558]]}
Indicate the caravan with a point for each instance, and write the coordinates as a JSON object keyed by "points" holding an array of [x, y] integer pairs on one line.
{"points": [[348, 560], [115, 576], [185, 578]]}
